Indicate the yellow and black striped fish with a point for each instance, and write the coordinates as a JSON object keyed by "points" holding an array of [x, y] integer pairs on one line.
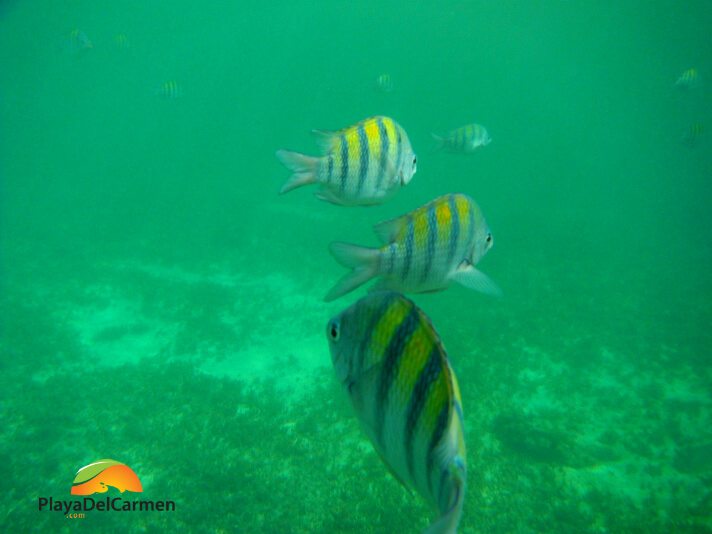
{"points": [[77, 42], [465, 139], [122, 41], [384, 83], [389, 358], [363, 164], [422, 251], [688, 79], [693, 134], [170, 90]]}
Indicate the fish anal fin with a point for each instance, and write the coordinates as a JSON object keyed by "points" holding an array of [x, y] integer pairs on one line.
{"points": [[328, 196]]}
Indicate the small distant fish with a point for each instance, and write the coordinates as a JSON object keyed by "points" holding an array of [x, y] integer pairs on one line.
{"points": [[422, 251], [384, 83], [77, 42], [688, 79], [170, 90], [693, 134], [465, 139], [121, 41], [390, 360], [363, 164]]}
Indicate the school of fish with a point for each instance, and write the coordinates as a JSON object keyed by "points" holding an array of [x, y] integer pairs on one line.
{"points": [[386, 353]]}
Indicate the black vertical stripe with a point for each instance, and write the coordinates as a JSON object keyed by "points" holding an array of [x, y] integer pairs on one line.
{"points": [[399, 148], [409, 239], [428, 375], [364, 156], [432, 238], [330, 170], [391, 359], [392, 258], [454, 229], [344, 161], [438, 433], [385, 147]]}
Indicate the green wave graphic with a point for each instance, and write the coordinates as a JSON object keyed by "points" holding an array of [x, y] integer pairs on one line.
{"points": [[93, 469]]}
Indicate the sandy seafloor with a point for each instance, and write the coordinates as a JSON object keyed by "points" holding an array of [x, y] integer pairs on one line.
{"points": [[213, 381]]}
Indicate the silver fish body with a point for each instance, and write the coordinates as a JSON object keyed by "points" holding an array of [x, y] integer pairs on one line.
{"points": [[422, 251], [389, 359], [363, 164], [465, 139]]}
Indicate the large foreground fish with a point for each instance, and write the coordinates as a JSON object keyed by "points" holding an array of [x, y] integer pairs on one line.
{"points": [[363, 164], [423, 250], [394, 368]]}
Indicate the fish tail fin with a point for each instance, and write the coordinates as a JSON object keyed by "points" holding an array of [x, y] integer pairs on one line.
{"points": [[448, 521], [303, 169], [439, 142], [362, 260]]}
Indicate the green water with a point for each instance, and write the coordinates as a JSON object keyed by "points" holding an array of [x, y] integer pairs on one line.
{"points": [[161, 305]]}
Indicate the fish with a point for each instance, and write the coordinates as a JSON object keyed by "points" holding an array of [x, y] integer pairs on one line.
{"points": [[692, 135], [364, 164], [384, 83], [688, 79], [170, 90], [77, 43], [422, 251], [465, 139], [391, 362], [122, 41]]}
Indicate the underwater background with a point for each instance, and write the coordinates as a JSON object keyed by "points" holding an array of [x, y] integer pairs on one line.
{"points": [[161, 305]]}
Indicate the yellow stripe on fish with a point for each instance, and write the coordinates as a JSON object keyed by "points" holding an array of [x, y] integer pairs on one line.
{"points": [[383, 330], [391, 361], [423, 250], [363, 164]]}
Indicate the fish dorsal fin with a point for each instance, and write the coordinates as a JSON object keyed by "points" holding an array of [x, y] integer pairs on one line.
{"points": [[388, 231], [325, 139]]}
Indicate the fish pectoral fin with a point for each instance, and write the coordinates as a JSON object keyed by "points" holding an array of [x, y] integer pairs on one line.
{"points": [[387, 231], [468, 276], [324, 139]]}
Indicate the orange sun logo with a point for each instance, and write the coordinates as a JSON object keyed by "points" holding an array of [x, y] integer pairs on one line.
{"points": [[98, 476]]}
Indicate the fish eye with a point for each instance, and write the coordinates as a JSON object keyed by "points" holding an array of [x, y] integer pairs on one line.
{"points": [[489, 238], [415, 160], [333, 330]]}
